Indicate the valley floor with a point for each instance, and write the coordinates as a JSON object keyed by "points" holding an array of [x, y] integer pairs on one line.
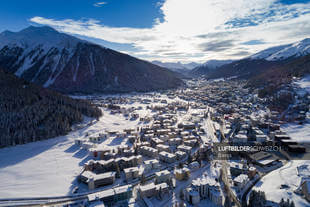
{"points": [[50, 167]]}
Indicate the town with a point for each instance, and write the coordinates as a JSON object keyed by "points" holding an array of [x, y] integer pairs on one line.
{"points": [[167, 156]]}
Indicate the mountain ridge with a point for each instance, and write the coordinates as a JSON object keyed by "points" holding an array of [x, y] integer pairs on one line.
{"points": [[67, 64]]}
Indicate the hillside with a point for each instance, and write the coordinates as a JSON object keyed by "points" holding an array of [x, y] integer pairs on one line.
{"points": [[67, 64], [30, 113], [265, 63], [208, 67]]}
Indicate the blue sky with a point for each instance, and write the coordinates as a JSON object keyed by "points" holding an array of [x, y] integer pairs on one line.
{"points": [[169, 30]]}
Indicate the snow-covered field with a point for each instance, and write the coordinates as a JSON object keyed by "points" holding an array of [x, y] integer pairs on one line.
{"points": [[49, 168], [298, 132], [286, 175]]}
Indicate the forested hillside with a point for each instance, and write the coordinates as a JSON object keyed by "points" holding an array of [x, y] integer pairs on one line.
{"points": [[30, 113]]}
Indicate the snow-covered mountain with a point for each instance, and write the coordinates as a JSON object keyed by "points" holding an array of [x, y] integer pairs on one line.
{"points": [[297, 49], [60, 61], [177, 65], [288, 60]]}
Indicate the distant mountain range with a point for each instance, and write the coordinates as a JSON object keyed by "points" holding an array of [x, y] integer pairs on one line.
{"points": [[285, 60], [67, 64], [208, 66], [176, 65]]}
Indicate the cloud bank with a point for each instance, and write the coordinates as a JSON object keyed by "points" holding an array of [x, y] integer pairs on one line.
{"points": [[198, 30]]}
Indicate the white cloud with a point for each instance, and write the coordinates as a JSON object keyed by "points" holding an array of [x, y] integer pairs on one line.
{"points": [[99, 4], [197, 30]]}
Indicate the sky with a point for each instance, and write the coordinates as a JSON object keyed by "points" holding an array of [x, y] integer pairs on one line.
{"points": [[169, 30]]}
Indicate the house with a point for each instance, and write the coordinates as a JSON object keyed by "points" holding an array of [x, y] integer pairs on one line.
{"points": [[184, 148], [236, 168], [240, 181], [148, 190], [175, 141], [162, 147], [162, 188], [148, 151], [151, 189], [167, 157], [131, 173], [156, 141], [151, 164], [180, 155], [162, 176]]}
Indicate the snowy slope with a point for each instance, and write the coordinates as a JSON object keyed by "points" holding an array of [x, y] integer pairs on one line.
{"points": [[282, 52], [32, 37], [286, 175], [65, 63]]}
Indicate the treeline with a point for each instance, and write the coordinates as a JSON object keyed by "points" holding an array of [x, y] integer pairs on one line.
{"points": [[30, 113]]}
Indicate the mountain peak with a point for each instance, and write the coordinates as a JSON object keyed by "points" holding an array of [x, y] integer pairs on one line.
{"points": [[39, 29], [33, 36], [282, 52]]}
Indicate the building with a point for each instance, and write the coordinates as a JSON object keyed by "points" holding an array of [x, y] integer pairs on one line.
{"points": [[241, 181], [167, 157], [111, 196], [163, 176], [210, 189], [97, 180], [186, 149], [305, 188], [175, 141], [192, 196], [148, 190], [162, 147], [131, 173], [180, 155], [182, 174], [148, 151], [151, 164], [236, 168]]}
